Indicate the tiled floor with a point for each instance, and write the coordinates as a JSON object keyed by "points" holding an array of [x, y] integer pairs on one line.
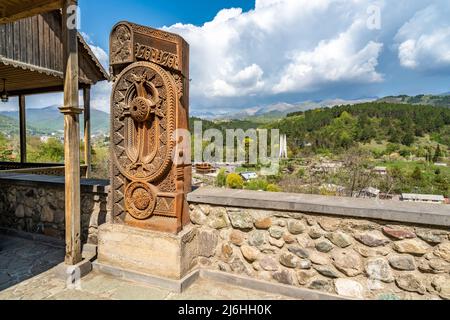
{"points": [[27, 273]]}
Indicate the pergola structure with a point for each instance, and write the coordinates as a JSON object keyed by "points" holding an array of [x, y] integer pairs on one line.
{"points": [[41, 51]]}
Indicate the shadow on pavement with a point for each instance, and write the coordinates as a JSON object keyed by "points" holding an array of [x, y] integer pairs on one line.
{"points": [[22, 259]]}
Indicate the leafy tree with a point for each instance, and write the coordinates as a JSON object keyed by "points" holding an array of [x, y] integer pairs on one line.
{"points": [[408, 139], [395, 172], [355, 161], [439, 177], [417, 174], [6, 152], [437, 154], [392, 147], [51, 151]]}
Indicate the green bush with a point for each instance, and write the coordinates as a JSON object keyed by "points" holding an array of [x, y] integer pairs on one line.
{"points": [[301, 173], [257, 184], [234, 181], [273, 188], [221, 178], [405, 151], [392, 147]]}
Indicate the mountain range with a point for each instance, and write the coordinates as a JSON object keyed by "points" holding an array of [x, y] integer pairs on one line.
{"points": [[275, 111], [280, 110], [50, 120], [442, 100]]}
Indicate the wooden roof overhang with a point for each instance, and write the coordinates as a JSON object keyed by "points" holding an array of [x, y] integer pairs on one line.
{"points": [[12, 10], [31, 56]]}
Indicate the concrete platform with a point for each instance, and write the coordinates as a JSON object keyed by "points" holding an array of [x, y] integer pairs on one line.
{"points": [[148, 252]]}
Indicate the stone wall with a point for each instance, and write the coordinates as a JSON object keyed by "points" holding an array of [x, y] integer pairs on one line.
{"points": [[37, 206], [338, 254]]}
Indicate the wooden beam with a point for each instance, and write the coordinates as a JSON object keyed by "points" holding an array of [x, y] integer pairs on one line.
{"points": [[23, 129], [71, 111], [87, 131], [27, 92], [36, 91]]}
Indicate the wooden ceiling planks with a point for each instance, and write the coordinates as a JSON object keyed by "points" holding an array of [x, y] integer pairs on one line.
{"points": [[33, 48], [19, 79], [13, 10]]}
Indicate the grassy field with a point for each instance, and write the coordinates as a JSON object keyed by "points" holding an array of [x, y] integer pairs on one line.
{"points": [[409, 166]]}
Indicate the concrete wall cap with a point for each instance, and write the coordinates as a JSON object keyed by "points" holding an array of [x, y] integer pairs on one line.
{"points": [[389, 210]]}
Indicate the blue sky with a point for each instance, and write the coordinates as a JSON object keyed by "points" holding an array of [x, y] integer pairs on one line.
{"points": [[98, 18], [249, 53]]}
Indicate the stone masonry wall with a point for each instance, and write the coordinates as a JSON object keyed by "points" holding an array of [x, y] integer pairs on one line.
{"points": [[369, 259], [40, 209]]}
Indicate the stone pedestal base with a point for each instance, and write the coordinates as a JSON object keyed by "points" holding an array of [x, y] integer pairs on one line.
{"points": [[148, 252]]}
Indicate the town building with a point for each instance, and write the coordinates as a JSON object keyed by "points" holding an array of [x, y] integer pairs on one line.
{"points": [[326, 167], [425, 198], [441, 164], [247, 176], [369, 192], [382, 171]]}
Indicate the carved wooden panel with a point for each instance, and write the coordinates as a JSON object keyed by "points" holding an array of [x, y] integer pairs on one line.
{"points": [[149, 103]]}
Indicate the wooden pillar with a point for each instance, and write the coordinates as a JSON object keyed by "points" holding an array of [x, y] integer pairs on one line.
{"points": [[23, 129], [87, 130], [71, 111]]}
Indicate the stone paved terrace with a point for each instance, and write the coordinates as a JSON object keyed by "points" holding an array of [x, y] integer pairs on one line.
{"points": [[27, 272], [21, 259]]}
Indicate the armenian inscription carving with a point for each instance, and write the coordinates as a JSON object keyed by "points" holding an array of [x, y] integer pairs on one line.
{"points": [[158, 56], [148, 105]]}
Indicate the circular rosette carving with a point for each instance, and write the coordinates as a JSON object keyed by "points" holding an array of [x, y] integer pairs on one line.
{"points": [[140, 109], [144, 104], [140, 200]]}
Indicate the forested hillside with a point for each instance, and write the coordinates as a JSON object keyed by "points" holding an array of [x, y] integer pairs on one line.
{"points": [[341, 127], [8, 125]]}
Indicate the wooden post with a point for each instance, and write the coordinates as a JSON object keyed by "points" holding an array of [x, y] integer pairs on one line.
{"points": [[71, 111], [87, 130], [23, 129]]}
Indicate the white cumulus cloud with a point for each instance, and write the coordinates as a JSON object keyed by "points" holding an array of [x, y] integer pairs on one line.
{"points": [[337, 60], [309, 49], [424, 40], [101, 92], [282, 46]]}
